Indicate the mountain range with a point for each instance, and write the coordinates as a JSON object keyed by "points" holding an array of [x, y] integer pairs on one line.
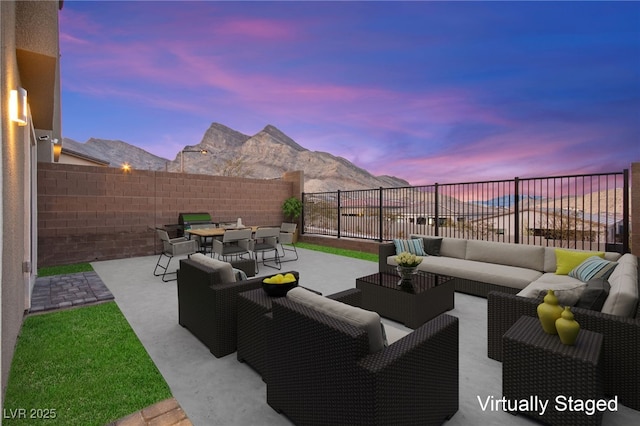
{"points": [[265, 155]]}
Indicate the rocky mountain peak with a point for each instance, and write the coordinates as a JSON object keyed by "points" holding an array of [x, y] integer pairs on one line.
{"points": [[266, 155], [280, 137], [222, 136]]}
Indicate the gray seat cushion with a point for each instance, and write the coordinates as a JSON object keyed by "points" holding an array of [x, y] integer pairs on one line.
{"points": [[365, 320]]}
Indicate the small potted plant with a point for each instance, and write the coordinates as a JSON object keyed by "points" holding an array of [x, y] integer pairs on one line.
{"points": [[407, 268], [292, 208]]}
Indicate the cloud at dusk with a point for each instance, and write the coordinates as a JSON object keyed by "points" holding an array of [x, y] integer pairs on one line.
{"points": [[425, 91]]}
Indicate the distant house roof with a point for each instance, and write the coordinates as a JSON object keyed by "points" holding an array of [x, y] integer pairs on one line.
{"points": [[600, 219], [84, 157]]}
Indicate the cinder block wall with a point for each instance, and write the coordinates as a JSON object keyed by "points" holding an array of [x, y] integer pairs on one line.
{"points": [[97, 213]]}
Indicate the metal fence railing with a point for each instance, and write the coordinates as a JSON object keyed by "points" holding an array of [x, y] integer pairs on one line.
{"points": [[588, 212]]}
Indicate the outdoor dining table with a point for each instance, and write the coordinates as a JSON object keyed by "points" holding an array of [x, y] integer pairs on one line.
{"points": [[210, 233]]}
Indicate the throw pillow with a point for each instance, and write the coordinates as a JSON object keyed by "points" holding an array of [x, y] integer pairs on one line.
{"points": [[568, 294], [413, 246], [595, 293], [593, 267], [432, 245], [566, 260]]}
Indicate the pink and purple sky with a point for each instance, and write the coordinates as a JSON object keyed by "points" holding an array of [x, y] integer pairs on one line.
{"points": [[426, 91]]}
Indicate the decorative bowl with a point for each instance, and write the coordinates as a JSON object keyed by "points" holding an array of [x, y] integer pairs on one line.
{"points": [[278, 290]]}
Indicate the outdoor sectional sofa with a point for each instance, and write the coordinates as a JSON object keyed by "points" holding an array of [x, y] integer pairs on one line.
{"points": [[499, 271]]}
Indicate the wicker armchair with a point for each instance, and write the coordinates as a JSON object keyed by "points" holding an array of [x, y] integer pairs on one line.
{"points": [[207, 307], [621, 351], [320, 371]]}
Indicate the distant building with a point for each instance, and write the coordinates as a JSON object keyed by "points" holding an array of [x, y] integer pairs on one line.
{"points": [[69, 156]]}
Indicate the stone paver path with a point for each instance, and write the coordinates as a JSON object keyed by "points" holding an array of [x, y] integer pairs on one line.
{"points": [[65, 291]]}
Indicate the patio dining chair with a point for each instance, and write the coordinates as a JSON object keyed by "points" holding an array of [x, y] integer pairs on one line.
{"points": [[287, 231], [172, 247], [234, 244], [266, 240]]}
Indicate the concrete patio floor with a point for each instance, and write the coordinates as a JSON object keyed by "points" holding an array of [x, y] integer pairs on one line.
{"points": [[221, 391]]}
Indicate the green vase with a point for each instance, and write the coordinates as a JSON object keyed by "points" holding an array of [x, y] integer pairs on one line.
{"points": [[568, 328], [548, 312]]}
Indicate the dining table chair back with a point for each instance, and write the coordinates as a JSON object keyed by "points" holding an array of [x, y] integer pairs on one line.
{"points": [[266, 240], [172, 247]]}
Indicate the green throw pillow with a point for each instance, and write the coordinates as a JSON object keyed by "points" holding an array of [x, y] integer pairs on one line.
{"points": [[566, 260]]}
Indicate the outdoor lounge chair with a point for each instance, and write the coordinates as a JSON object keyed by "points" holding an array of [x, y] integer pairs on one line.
{"points": [[172, 247], [321, 371], [207, 304]]}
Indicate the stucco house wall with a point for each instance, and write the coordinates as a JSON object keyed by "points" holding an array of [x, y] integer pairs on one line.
{"points": [[29, 53]]}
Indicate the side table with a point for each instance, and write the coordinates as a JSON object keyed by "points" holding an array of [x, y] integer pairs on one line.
{"points": [[253, 306], [538, 369], [254, 315]]}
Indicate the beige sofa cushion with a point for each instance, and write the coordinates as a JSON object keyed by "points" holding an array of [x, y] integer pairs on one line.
{"points": [[365, 320], [503, 275], [623, 295], [224, 268], [453, 247], [520, 255]]}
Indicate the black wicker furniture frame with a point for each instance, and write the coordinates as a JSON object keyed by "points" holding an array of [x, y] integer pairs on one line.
{"points": [[207, 307], [254, 308], [320, 371], [429, 296], [621, 359], [538, 367]]}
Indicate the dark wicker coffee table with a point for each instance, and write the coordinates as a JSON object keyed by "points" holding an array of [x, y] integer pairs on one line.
{"points": [[430, 296], [538, 365]]}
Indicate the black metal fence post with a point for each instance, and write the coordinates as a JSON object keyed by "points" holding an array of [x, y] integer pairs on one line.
{"points": [[302, 214], [436, 209], [339, 213], [516, 210], [625, 212], [380, 226]]}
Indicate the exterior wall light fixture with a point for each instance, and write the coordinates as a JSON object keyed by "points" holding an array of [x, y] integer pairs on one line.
{"points": [[57, 149], [18, 106]]}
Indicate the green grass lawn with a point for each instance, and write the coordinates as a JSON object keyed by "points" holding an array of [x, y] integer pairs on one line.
{"points": [[65, 269], [85, 366], [340, 252]]}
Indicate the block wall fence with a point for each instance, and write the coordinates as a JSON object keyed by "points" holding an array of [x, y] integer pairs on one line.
{"points": [[90, 213]]}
